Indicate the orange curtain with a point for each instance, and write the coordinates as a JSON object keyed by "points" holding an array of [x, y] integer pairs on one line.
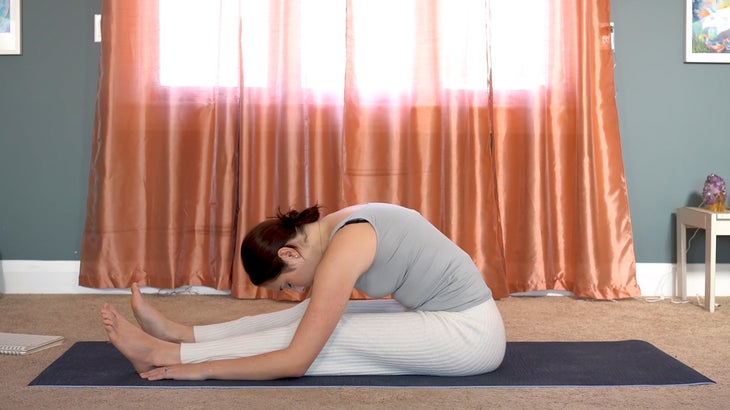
{"points": [[562, 191], [529, 183], [163, 200]]}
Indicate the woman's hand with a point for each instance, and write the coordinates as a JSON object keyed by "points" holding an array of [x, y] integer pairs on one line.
{"points": [[175, 372]]}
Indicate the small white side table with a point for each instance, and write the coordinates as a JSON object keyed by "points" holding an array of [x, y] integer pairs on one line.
{"points": [[715, 224]]}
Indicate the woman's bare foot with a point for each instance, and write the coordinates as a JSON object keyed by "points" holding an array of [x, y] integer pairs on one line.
{"points": [[144, 351], [155, 323]]}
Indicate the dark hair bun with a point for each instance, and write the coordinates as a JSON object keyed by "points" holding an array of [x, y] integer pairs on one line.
{"points": [[292, 220]]}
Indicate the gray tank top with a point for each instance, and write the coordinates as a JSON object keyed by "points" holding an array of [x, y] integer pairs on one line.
{"points": [[416, 263]]}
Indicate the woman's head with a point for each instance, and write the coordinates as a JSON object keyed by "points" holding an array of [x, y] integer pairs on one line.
{"points": [[260, 247]]}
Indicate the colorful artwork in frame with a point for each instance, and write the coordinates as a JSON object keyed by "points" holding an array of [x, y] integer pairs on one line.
{"points": [[10, 26], [707, 31]]}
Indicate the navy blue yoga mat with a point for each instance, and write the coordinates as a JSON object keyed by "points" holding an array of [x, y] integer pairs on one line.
{"points": [[526, 364]]}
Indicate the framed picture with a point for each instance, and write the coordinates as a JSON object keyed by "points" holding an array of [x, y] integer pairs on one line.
{"points": [[707, 38], [10, 27]]}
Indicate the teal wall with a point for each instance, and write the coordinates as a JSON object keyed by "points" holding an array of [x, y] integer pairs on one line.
{"points": [[673, 124], [47, 98]]}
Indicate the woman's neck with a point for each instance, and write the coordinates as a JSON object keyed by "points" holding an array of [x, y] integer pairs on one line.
{"points": [[316, 237]]}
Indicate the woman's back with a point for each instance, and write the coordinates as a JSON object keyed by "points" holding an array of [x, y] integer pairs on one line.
{"points": [[414, 262]]}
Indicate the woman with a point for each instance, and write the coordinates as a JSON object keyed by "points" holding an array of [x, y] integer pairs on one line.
{"points": [[441, 319]]}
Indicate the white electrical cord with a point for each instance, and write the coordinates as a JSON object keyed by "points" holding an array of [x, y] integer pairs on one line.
{"points": [[660, 287]]}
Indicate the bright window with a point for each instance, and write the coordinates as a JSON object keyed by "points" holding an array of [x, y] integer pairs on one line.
{"points": [[199, 43], [519, 43]]}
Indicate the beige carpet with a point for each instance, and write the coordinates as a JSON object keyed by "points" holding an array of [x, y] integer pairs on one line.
{"points": [[685, 331]]}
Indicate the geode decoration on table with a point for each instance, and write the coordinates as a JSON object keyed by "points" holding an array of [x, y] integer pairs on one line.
{"points": [[714, 193]]}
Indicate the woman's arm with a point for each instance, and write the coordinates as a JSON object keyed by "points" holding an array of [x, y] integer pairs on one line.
{"points": [[349, 255]]}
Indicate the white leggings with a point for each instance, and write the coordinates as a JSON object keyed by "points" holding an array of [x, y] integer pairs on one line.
{"points": [[372, 337]]}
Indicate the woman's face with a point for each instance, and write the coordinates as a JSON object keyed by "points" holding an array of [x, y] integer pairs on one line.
{"points": [[298, 276], [292, 280]]}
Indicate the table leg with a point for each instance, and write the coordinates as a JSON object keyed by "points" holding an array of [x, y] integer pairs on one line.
{"points": [[680, 278], [710, 258]]}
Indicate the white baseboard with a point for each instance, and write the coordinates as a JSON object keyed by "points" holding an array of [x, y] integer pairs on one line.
{"points": [[61, 277], [657, 279]]}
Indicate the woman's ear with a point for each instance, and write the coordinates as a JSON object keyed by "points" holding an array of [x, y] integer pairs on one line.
{"points": [[288, 253]]}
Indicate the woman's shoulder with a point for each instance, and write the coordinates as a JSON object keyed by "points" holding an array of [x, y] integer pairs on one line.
{"points": [[374, 208], [332, 220], [340, 215]]}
